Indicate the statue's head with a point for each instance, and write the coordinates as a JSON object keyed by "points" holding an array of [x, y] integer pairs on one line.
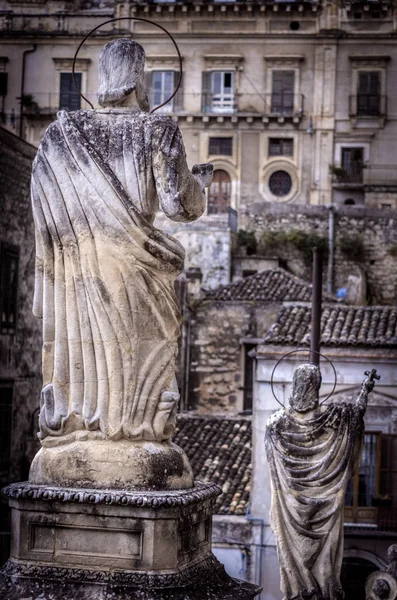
{"points": [[121, 72], [306, 384]]}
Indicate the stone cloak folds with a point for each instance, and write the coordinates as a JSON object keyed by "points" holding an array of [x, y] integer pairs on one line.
{"points": [[105, 276], [311, 461]]}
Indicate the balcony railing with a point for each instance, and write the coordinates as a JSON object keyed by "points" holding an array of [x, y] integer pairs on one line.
{"points": [[272, 105], [367, 105], [379, 175], [354, 175]]}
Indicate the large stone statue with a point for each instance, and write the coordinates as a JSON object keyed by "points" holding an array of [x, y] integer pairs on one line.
{"points": [[105, 284], [313, 451]]}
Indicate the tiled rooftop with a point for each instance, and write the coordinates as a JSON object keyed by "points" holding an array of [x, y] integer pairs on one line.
{"points": [[275, 285], [340, 326], [219, 450]]}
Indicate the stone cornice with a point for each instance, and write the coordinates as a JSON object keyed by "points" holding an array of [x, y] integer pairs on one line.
{"points": [[27, 491], [82, 64]]}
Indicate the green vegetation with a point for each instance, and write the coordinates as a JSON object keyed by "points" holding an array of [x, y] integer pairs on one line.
{"points": [[280, 242], [248, 240]]}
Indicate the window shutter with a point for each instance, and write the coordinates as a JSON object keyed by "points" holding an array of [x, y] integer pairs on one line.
{"points": [[368, 82], [178, 98], [69, 98], [206, 91]]}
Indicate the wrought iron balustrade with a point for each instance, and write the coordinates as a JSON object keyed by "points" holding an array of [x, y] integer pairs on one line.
{"points": [[367, 105]]}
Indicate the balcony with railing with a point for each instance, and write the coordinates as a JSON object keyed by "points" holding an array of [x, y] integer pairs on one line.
{"points": [[348, 177], [367, 105], [278, 106]]}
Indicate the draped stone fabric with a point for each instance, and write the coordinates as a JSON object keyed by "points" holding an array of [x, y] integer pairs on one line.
{"points": [[105, 276], [311, 459]]}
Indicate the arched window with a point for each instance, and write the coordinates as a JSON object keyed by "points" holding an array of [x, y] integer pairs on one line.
{"points": [[219, 193]]}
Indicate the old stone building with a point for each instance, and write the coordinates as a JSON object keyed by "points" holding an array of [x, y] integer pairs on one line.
{"points": [[20, 335], [293, 102]]}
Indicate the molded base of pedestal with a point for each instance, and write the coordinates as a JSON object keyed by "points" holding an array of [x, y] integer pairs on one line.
{"points": [[207, 580], [90, 544], [122, 465]]}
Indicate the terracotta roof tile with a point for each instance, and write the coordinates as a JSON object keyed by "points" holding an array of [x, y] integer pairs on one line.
{"points": [[340, 326], [275, 285], [219, 450]]}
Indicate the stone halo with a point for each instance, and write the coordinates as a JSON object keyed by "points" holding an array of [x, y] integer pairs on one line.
{"points": [[293, 352]]}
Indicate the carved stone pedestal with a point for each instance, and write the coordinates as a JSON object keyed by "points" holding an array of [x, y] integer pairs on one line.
{"points": [[70, 543]]}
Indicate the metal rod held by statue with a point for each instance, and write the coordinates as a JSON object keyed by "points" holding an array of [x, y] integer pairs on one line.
{"points": [[316, 308]]}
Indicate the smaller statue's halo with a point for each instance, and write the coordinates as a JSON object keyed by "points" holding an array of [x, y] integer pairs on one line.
{"points": [[129, 19], [302, 350]]}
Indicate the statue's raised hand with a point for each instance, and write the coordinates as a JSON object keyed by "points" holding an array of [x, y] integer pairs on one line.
{"points": [[204, 173]]}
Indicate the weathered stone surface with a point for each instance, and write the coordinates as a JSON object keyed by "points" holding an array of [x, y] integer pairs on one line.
{"points": [[105, 284], [312, 451], [117, 465], [70, 543]]}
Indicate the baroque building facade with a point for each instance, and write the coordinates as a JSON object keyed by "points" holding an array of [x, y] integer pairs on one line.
{"points": [[295, 105], [293, 102]]}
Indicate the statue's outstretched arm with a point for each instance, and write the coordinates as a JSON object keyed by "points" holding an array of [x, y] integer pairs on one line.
{"points": [[366, 387], [180, 191]]}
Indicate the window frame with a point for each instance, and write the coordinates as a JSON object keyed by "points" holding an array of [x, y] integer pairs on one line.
{"points": [[73, 93], [356, 513], [6, 251], [220, 140], [164, 94], [282, 141]]}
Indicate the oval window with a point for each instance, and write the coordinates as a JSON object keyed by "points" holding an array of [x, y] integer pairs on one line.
{"points": [[280, 183]]}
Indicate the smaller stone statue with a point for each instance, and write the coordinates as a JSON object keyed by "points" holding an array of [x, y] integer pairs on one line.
{"points": [[382, 585], [313, 451]]}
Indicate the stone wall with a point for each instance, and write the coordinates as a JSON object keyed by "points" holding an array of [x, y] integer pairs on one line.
{"points": [[208, 246], [20, 351], [375, 229], [218, 333]]}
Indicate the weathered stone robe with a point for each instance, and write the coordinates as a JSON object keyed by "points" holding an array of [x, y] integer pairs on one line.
{"points": [[105, 276], [311, 461]]}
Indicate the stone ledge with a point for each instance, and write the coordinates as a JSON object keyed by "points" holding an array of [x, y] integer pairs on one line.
{"points": [[151, 499]]}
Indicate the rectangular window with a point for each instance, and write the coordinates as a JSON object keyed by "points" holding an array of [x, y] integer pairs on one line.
{"points": [[3, 84], [162, 88], [221, 91], [220, 145], [363, 488], [9, 286], [69, 98], [281, 147], [5, 428], [283, 85], [368, 93], [352, 165]]}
